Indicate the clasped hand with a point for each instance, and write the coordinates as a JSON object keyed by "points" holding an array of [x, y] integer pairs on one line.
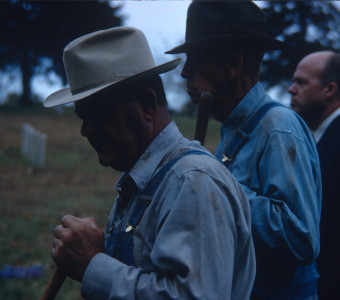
{"points": [[76, 242]]}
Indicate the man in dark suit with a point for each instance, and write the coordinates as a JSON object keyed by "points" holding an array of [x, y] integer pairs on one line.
{"points": [[316, 98]]}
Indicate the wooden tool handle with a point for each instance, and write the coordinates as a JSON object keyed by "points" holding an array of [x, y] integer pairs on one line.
{"points": [[203, 117], [54, 285]]}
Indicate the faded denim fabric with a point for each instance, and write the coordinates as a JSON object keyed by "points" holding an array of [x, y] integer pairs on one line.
{"points": [[278, 169], [194, 239]]}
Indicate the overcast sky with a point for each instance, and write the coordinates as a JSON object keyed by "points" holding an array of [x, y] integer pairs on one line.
{"points": [[163, 22]]}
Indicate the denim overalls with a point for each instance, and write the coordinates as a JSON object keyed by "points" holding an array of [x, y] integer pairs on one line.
{"points": [[120, 244]]}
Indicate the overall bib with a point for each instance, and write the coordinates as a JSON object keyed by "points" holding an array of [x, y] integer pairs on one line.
{"points": [[120, 244]]}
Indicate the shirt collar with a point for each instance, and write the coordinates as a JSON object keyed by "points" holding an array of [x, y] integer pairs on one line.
{"points": [[152, 157], [246, 106], [318, 133]]}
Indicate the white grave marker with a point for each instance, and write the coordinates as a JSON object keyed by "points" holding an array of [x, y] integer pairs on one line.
{"points": [[33, 145]]}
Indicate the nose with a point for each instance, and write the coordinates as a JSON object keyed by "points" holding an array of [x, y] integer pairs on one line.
{"points": [[186, 71], [292, 89], [87, 129]]}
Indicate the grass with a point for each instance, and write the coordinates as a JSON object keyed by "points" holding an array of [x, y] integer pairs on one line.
{"points": [[32, 201]]}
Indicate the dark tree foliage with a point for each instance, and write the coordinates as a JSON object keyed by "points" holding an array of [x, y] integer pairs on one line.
{"points": [[33, 30], [305, 27]]}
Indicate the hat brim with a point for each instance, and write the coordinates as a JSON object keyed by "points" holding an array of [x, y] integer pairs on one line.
{"points": [[65, 96], [264, 43]]}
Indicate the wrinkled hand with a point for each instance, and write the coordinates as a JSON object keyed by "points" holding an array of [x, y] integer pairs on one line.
{"points": [[76, 242]]}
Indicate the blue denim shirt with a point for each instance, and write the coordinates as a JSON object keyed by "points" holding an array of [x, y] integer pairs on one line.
{"points": [[279, 170], [194, 239]]}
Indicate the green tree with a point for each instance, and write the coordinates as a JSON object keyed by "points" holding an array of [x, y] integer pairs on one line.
{"points": [[35, 32], [305, 27]]}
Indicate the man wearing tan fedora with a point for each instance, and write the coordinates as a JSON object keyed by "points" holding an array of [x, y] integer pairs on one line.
{"points": [[180, 226], [265, 145]]}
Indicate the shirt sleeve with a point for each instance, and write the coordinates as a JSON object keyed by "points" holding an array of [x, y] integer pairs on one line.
{"points": [[286, 213], [194, 251]]}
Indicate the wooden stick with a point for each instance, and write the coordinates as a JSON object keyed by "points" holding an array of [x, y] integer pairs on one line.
{"points": [[54, 285], [203, 116]]}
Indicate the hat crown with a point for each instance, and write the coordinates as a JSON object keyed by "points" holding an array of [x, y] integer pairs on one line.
{"points": [[242, 10], [106, 56], [116, 57], [226, 22], [212, 18]]}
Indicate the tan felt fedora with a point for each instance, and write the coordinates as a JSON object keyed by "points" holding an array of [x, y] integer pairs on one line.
{"points": [[112, 57]]}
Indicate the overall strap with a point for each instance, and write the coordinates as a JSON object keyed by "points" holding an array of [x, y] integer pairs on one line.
{"points": [[242, 134], [120, 244], [158, 177], [146, 196]]}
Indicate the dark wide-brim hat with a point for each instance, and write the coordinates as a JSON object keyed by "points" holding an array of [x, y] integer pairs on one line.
{"points": [[234, 22]]}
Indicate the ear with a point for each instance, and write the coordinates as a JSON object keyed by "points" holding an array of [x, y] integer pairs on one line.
{"points": [[149, 103], [331, 90], [235, 66]]}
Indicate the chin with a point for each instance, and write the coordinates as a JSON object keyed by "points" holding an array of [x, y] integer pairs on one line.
{"points": [[195, 99], [116, 164], [194, 96], [295, 108], [103, 162]]}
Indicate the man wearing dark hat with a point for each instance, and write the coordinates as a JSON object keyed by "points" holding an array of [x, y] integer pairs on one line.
{"points": [[180, 227], [266, 146]]}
